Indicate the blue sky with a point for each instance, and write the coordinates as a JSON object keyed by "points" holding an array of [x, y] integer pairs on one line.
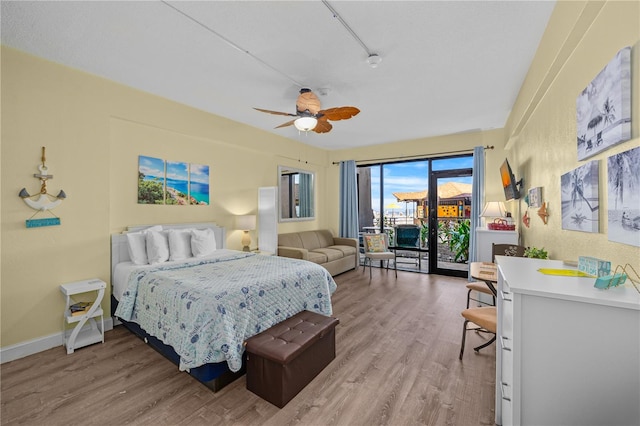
{"points": [[177, 171], [410, 177], [200, 173], [151, 166]]}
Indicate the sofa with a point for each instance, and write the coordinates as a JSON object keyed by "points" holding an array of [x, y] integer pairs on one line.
{"points": [[336, 254]]}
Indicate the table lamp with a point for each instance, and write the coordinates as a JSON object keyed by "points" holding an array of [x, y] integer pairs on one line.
{"points": [[246, 223], [493, 209]]}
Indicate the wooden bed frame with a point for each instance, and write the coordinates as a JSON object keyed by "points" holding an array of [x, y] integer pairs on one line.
{"points": [[214, 376]]}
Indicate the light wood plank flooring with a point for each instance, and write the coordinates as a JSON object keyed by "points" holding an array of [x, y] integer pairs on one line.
{"points": [[396, 364]]}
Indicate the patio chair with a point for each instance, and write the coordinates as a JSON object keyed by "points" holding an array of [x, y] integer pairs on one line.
{"points": [[407, 236], [376, 247]]}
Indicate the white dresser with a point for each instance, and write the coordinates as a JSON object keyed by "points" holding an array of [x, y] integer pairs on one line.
{"points": [[566, 353]]}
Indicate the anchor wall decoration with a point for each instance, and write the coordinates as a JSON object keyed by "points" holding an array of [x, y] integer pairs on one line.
{"points": [[44, 201]]}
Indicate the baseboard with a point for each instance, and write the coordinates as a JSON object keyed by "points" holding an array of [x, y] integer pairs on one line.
{"points": [[30, 347]]}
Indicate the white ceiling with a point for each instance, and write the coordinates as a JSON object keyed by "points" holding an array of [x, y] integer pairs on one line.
{"points": [[448, 66]]}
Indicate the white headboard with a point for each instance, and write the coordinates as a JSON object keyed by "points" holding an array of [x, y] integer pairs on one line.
{"points": [[120, 248]]}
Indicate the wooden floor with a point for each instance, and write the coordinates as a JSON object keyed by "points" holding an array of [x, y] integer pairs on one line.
{"points": [[396, 364]]}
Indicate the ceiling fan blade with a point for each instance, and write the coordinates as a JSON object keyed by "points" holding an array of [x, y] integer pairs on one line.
{"points": [[323, 126], [275, 112], [339, 113], [288, 123]]}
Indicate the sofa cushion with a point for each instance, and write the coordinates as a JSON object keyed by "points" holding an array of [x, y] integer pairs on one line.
{"points": [[310, 240], [317, 257], [331, 253], [290, 240], [346, 250], [325, 238]]}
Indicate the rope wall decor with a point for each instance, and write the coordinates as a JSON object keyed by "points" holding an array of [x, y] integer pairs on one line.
{"points": [[44, 202]]}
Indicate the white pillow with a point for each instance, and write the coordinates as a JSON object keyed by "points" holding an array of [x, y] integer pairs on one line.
{"points": [[157, 247], [203, 242], [137, 244], [179, 244]]}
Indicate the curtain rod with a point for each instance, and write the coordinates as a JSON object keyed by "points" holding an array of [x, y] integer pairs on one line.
{"points": [[417, 156]]}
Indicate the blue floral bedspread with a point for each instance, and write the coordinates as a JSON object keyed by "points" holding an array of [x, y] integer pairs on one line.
{"points": [[205, 309]]}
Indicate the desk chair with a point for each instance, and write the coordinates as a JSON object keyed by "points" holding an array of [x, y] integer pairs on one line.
{"points": [[376, 247], [481, 287], [485, 318], [506, 250]]}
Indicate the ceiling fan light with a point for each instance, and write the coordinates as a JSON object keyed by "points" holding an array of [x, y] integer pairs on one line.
{"points": [[305, 124]]}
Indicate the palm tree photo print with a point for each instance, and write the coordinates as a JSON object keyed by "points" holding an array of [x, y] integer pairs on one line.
{"points": [[603, 109]]}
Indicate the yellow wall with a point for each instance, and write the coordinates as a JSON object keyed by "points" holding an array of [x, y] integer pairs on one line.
{"points": [[582, 37], [93, 131]]}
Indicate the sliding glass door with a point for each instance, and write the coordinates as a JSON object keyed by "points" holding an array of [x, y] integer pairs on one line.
{"points": [[450, 196], [396, 198]]}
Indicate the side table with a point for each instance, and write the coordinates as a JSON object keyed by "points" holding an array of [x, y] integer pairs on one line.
{"points": [[87, 329]]}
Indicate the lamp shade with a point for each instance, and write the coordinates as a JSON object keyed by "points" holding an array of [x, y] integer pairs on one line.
{"points": [[304, 124], [494, 209], [246, 222]]}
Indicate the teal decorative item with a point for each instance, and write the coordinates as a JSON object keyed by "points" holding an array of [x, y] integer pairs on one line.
{"points": [[38, 223], [593, 266], [610, 281]]}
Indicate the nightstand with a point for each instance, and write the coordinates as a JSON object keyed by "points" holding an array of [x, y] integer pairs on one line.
{"points": [[88, 329]]}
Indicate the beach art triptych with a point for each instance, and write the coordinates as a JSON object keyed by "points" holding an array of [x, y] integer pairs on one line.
{"points": [[172, 182]]}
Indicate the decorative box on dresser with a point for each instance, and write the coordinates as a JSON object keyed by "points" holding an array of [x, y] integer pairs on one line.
{"points": [[567, 353]]}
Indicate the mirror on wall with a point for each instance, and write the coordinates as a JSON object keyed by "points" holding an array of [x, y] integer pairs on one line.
{"points": [[296, 192]]}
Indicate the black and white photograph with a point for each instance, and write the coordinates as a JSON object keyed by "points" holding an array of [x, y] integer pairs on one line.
{"points": [[603, 108], [623, 187], [535, 197], [579, 197]]}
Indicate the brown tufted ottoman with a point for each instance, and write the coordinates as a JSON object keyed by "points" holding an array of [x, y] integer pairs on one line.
{"points": [[282, 360]]}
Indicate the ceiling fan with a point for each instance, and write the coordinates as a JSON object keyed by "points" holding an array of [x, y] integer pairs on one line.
{"points": [[310, 116]]}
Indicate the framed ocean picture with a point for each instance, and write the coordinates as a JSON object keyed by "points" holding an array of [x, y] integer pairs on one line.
{"points": [[623, 189], [151, 180], [172, 182], [603, 108], [199, 184], [177, 183], [579, 198]]}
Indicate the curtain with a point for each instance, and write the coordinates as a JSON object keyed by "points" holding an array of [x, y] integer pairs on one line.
{"points": [[477, 197], [306, 194], [348, 200]]}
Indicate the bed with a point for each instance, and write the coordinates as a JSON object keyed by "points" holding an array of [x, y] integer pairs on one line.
{"points": [[197, 307]]}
